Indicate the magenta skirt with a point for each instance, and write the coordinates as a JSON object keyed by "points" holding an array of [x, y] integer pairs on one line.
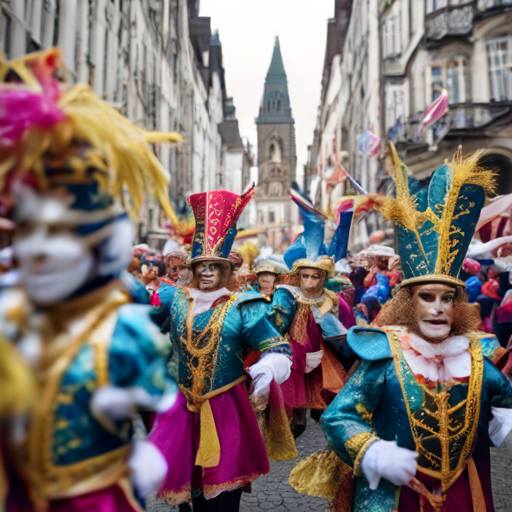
{"points": [[242, 451]]}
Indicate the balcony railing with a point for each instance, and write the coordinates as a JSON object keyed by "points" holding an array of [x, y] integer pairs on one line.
{"points": [[462, 118], [452, 20]]}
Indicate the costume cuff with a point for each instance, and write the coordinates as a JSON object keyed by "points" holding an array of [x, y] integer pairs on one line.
{"points": [[356, 448], [277, 345], [500, 425]]}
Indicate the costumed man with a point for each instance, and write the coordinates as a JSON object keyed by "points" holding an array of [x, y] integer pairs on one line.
{"points": [[221, 448], [320, 324], [70, 162], [267, 273], [416, 418], [175, 262]]}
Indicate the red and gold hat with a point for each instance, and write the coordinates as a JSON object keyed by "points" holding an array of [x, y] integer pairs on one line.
{"points": [[216, 214]]}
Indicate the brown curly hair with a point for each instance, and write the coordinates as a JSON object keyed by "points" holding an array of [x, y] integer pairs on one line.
{"points": [[401, 310]]}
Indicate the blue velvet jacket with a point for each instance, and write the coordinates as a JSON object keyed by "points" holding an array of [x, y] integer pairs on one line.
{"points": [[384, 400], [211, 345]]}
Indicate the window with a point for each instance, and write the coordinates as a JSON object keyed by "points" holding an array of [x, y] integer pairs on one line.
{"points": [[271, 151], [500, 74], [271, 216], [437, 82], [452, 82], [393, 32]]}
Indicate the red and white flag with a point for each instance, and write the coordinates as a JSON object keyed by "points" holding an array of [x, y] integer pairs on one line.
{"points": [[437, 110]]}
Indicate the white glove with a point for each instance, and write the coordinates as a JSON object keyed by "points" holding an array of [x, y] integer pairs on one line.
{"points": [[113, 402], [121, 403], [271, 366], [384, 459], [500, 425], [313, 359], [148, 467]]}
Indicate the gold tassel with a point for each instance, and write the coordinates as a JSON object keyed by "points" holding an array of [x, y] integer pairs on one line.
{"points": [[319, 475]]}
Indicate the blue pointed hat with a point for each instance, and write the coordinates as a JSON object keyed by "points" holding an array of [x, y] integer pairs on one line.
{"points": [[435, 224], [309, 245]]}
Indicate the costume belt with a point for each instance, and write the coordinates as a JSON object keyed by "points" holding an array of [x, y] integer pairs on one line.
{"points": [[208, 454]]}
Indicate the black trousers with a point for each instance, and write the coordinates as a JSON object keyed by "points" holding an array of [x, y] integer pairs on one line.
{"points": [[224, 502]]}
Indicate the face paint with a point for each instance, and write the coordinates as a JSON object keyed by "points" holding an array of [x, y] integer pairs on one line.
{"points": [[208, 275], [434, 304], [311, 283], [53, 262], [267, 281]]}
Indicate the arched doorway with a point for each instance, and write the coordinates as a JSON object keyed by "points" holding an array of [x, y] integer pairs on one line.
{"points": [[502, 165]]}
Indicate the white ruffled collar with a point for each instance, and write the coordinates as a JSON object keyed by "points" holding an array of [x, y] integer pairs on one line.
{"points": [[439, 362], [203, 300]]}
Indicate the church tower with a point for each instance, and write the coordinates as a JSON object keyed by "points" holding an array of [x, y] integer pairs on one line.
{"points": [[277, 158]]}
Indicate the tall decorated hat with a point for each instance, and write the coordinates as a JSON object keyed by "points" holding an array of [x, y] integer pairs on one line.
{"points": [[216, 214], [435, 224]]}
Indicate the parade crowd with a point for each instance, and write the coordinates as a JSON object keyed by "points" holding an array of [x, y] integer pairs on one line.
{"points": [[224, 355]]}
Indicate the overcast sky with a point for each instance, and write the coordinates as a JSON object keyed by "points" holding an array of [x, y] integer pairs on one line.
{"points": [[247, 30]]}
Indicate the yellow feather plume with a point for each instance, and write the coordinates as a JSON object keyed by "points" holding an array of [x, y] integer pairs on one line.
{"points": [[131, 163]]}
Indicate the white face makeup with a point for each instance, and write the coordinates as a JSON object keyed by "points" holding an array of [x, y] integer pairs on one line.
{"points": [[209, 276], [53, 261], [266, 281], [311, 283], [434, 303]]}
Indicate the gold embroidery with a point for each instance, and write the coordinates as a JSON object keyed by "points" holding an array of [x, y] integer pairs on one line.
{"points": [[448, 431], [298, 331], [203, 358]]}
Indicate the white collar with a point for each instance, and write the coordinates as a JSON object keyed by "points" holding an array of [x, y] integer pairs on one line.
{"points": [[439, 362], [203, 300], [450, 347]]}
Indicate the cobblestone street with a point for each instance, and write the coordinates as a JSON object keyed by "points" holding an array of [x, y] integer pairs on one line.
{"points": [[272, 491]]}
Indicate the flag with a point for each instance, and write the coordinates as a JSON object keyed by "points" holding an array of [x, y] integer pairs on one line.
{"points": [[438, 109]]}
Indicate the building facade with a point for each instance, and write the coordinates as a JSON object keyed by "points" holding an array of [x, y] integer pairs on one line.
{"points": [[350, 105], [156, 61], [277, 157], [386, 61], [465, 48]]}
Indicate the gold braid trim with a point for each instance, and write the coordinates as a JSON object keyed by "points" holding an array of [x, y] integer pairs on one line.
{"points": [[369, 439], [201, 355]]}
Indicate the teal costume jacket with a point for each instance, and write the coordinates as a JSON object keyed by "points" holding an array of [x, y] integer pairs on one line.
{"points": [[384, 400], [211, 346], [71, 450]]}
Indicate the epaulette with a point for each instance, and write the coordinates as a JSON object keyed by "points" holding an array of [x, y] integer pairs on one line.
{"points": [[369, 343]]}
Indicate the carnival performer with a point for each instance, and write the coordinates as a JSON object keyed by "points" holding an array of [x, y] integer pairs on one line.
{"points": [[320, 325], [221, 448], [175, 262], [416, 419], [70, 162]]}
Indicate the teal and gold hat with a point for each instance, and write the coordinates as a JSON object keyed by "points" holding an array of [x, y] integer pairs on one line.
{"points": [[435, 224]]}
